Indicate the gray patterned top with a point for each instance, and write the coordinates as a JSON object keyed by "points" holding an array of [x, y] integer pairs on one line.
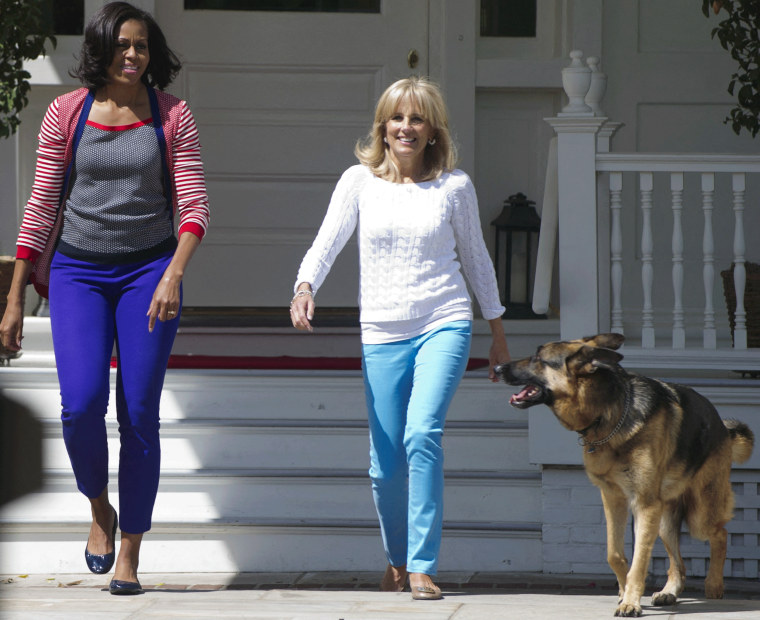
{"points": [[116, 210]]}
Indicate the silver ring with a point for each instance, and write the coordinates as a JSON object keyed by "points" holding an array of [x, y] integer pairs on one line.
{"points": [[171, 313]]}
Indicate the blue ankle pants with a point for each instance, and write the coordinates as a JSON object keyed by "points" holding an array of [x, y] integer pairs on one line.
{"points": [[409, 386], [93, 306]]}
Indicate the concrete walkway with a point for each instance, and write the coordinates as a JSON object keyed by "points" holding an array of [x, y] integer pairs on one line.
{"points": [[343, 596]]}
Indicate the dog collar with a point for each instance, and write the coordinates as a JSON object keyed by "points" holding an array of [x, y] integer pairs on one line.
{"points": [[591, 445]]}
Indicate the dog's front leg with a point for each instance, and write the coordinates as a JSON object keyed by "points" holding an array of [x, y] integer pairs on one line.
{"points": [[670, 531], [616, 514], [646, 521]]}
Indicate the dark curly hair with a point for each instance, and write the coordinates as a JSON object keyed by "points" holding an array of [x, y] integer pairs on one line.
{"points": [[99, 47]]}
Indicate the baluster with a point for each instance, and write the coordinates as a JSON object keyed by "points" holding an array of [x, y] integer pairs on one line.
{"points": [[616, 250], [676, 189], [647, 269], [708, 269], [740, 273]]}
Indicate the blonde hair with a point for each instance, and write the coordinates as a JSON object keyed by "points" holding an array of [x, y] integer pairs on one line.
{"points": [[439, 157]]}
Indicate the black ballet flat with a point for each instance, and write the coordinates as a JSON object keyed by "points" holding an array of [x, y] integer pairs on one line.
{"points": [[125, 587], [100, 564]]}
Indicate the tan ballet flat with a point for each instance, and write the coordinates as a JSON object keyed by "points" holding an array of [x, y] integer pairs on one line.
{"points": [[426, 593]]}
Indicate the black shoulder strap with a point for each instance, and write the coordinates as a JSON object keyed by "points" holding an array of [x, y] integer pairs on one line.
{"points": [[159, 129]]}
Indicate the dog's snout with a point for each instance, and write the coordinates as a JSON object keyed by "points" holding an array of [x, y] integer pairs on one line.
{"points": [[510, 373]]}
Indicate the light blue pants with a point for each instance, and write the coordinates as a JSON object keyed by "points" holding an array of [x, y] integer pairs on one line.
{"points": [[409, 386]]}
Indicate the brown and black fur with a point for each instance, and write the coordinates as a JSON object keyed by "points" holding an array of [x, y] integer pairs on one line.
{"points": [[657, 447]]}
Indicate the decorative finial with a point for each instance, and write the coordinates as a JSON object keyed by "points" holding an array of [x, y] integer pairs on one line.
{"points": [[576, 80], [598, 86]]}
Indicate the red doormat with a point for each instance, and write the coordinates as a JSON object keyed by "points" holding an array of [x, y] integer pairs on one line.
{"points": [[284, 362]]}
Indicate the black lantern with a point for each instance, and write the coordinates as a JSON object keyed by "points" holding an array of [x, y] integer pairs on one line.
{"points": [[517, 228]]}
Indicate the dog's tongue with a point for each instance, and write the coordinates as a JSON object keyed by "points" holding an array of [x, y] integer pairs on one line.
{"points": [[528, 392], [521, 395]]}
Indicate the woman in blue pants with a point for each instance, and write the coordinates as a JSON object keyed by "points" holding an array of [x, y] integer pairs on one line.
{"points": [[117, 159], [418, 228]]}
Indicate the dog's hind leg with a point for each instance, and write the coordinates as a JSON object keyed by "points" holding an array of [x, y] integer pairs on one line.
{"points": [[709, 507], [714, 509], [670, 529], [714, 579]]}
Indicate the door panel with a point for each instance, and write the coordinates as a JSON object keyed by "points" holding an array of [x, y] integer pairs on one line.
{"points": [[280, 100]]}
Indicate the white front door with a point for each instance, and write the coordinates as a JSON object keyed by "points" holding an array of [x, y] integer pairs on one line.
{"points": [[280, 99]]}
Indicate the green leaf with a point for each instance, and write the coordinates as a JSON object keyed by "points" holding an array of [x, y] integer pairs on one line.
{"points": [[739, 34], [22, 37]]}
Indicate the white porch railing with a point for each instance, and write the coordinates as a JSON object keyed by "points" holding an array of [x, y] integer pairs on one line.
{"points": [[675, 167], [602, 193]]}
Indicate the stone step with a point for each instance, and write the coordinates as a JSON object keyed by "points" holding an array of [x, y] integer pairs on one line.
{"points": [[268, 471], [214, 496], [275, 546], [259, 394], [200, 447], [222, 337]]}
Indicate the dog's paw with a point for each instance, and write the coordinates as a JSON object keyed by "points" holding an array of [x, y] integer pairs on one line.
{"points": [[627, 610], [663, 599], [714, 590]]}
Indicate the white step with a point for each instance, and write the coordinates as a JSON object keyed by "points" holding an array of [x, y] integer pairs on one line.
{"points": [[200, 447], [267, 470], [179, 547], [255, 419], [524, 337], [258, 394], [218, 496]]}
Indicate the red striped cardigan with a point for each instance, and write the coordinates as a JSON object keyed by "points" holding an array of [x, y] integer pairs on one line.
{"points": [[55, 151]]}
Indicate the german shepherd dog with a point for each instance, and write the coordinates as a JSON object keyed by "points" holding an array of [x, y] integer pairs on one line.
{"points": [[657, 447]]}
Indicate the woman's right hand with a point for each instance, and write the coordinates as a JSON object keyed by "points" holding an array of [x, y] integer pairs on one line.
{"points": [[12, 325], [302, 308]]}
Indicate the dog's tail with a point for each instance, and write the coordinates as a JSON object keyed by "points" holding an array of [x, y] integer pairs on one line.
{"points": [[742, 440]]}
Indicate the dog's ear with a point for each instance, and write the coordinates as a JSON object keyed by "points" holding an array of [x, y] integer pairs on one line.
{"points": [[606, 358], [587, 360], [606, 341]]}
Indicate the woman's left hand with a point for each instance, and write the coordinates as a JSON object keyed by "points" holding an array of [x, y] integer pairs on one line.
{"points": [[166, 301], [499, 352]]}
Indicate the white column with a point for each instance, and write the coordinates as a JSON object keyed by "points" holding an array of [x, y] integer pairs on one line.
{"points": [[676, 189], [577, 242], [738, 185], [616, 250], [647, 265], [709, 336]]}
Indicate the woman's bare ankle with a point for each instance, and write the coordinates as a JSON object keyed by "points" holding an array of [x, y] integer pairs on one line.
{"points": [[421, 579], [394, 579], [129, 557]]}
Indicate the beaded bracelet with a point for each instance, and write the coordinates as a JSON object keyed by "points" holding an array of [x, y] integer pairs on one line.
{"points": [[301, 294]]}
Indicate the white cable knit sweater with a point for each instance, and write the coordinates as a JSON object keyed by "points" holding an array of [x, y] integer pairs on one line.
{"points": [[408, 233]]}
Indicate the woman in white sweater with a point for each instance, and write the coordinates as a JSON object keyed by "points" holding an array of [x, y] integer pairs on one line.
{"points": [[415, 213]]}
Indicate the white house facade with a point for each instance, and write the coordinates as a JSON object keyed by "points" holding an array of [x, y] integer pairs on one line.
{"points": [[652, 195]]}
